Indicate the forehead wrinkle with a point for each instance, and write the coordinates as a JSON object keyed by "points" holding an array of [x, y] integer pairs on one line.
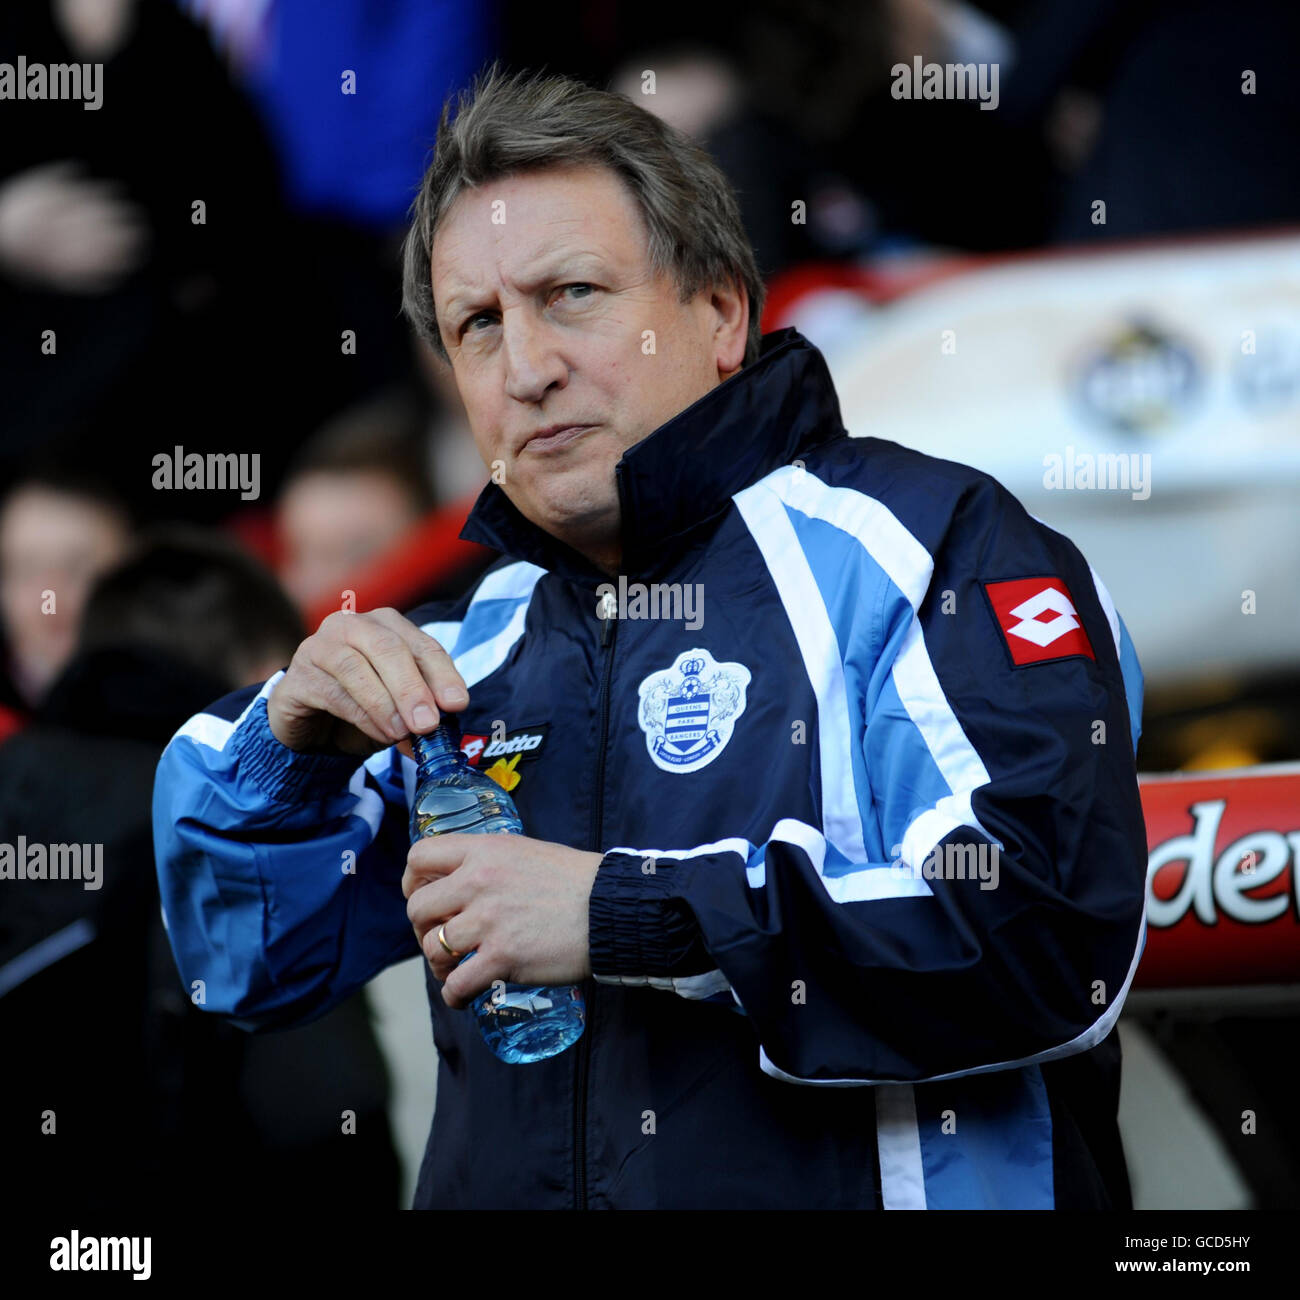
{"points": [[525, 279], [468, 290]]}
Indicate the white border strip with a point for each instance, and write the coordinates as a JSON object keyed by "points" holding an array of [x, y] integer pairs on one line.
{"points": [[207, 729], [764, 514], [909, 566], [514, 582], [1082, 1042], [898, 1140], [854, 887]]}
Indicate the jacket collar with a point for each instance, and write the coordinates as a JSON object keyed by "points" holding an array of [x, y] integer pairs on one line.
{"points": [[679, 479]]}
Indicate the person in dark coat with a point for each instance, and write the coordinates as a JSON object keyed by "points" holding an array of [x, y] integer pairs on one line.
{"points": [[121, 1093]]}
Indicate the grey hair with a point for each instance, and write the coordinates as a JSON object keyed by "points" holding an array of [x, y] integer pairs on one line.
{"points": [[508, 124]]}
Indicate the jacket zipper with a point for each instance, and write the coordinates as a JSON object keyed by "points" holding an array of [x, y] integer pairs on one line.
{"points": [[597, 816]]}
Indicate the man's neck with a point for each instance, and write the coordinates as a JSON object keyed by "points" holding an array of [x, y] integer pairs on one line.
{"points": [[601, 549], [607, 560]]}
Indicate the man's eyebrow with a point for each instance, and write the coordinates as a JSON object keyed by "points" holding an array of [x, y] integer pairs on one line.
{"points": [[462, 302]]}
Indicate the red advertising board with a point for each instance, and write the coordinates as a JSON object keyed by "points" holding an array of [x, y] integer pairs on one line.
{"points": [[1223, 895]]}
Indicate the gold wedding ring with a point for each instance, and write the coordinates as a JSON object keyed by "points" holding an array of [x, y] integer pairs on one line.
{"points": [[442, 939]]}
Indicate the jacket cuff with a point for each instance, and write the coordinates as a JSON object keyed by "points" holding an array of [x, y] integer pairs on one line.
{"points": [[638, 926], [281, 773]]}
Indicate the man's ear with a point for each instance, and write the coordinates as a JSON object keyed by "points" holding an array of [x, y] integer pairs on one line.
{"points": [[731, 332]]}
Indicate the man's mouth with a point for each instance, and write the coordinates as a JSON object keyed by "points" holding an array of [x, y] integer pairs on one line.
{"points": [[553, 440]]}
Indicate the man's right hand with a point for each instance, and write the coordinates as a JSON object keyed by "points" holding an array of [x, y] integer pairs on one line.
{"points": [[363, 682]]}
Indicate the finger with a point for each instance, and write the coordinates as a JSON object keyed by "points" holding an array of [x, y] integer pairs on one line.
{"points": [[316, 689], [459, 925], [432, 903], [449, 889], [436, 666], [467, 979], [436, 901], [393, 660], [434, 857], [360, 679], [461, 934]]}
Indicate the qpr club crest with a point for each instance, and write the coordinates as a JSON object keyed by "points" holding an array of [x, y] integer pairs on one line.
{"points": [[688, 711]]}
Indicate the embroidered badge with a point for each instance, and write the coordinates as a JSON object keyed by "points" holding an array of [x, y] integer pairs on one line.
{"points": [[500, 758], [1038, 619], [688, 711]]}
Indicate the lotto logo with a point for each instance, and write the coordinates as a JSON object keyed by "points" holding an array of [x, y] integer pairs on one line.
{"points": [[1038, 620], [477, 747], [513, 744]]}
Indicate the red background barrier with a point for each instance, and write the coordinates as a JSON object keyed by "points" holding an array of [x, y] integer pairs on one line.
{"points": [[1222, 904]]}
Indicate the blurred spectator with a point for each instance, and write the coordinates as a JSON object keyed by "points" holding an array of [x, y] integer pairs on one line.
{"points": [[454, 465], [203, 601], [135, 236], [128, 1094], [352, 101], [58, 533], [769, 161], [351, 104], [795, 99], [356, 488], [936, 171], [1194, 102]]}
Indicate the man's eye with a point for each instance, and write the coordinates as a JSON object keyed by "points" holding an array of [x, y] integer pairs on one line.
{"points": [[585, 291]]}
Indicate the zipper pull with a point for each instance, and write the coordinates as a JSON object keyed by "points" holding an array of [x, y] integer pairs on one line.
{"points": [[608, 610]]}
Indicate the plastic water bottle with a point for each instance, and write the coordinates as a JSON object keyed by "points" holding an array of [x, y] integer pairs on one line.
{"points": [[518, 1023]]}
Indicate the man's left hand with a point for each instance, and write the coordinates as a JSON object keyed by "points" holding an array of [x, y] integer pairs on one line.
{"points": [[519, 904]]}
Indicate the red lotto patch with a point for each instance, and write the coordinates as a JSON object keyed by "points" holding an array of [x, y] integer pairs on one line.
{"points": [[1038, 620]]}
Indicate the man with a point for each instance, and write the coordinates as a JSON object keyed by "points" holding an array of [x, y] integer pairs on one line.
{"points": [[59, 531], [732, 815], [349, 496]]}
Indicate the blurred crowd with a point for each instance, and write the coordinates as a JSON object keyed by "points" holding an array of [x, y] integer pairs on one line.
{"points": [[208, 261]]}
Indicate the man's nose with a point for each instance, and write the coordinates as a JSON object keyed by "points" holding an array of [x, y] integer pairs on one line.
{"points": [[532, 357]]}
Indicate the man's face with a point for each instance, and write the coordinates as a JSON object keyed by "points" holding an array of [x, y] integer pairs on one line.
{"points": [[53, 546], [549, 308], [331, 523]]}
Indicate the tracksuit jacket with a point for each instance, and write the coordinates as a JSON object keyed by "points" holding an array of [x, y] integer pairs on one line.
{"points": [[872, 887]]}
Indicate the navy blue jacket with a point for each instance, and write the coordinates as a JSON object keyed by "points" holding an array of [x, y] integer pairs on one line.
{"points": [[872, 888]]}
